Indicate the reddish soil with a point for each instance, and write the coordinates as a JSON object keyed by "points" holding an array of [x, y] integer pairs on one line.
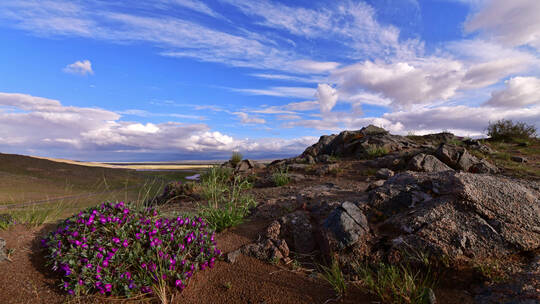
{"points": [[26, 280]]}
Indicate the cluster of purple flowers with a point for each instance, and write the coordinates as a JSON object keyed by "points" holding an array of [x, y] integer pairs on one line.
{"points": [[114, 249]]}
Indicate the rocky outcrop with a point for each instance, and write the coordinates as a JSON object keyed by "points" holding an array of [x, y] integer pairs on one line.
{"points": [[356, 143], [459, 215], [460, 159]]}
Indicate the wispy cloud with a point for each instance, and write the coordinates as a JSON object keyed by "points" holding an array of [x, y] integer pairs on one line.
{"points": [[246, 119], [298, 92]]}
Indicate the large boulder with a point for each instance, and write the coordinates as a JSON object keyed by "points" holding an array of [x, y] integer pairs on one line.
{"points": [[460, 215], [346, 225]]}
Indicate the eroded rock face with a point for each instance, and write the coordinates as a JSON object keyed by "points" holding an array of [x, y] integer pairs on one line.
{"points": [[460, 215]]}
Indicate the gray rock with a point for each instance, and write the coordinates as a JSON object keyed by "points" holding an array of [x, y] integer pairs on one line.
{"points": [[376, 184], [232, 256], [310, 160], [519, 159], [326, 169], [384, 173], [427, 163], [243, 166], [347, 224], [3, 255], [297, 167], [267, 250], [466, 160], [483, 166]]}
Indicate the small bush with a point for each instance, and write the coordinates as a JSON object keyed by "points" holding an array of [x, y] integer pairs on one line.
{"points": [[236, 157], [396, 284], [115, 249], [281, 177], [374, 151], [333, 275], [508, 130]]}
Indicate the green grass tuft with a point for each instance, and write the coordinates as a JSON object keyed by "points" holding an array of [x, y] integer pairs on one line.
{"points": [[236, 157], [374, 151], [396, 284], [227, 203], [281, 177], [333, 275]]}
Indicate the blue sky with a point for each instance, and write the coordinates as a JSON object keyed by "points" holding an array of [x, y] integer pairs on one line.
{"points": [[189, 79]]}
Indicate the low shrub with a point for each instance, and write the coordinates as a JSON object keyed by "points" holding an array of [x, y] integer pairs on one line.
{"points": [[115, 249], [281, 177], [236, 157], [505, 129]]}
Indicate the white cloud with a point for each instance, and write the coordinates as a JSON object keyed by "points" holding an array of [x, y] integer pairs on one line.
{"points": [[83, 68], [246, 119], [316, 66], [512, 23], [519, 92], [461, 120], [327, 97], [41, 124], [405, 83]]}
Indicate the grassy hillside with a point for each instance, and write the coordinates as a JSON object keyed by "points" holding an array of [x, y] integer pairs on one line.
{"points": [[24, 178]]}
